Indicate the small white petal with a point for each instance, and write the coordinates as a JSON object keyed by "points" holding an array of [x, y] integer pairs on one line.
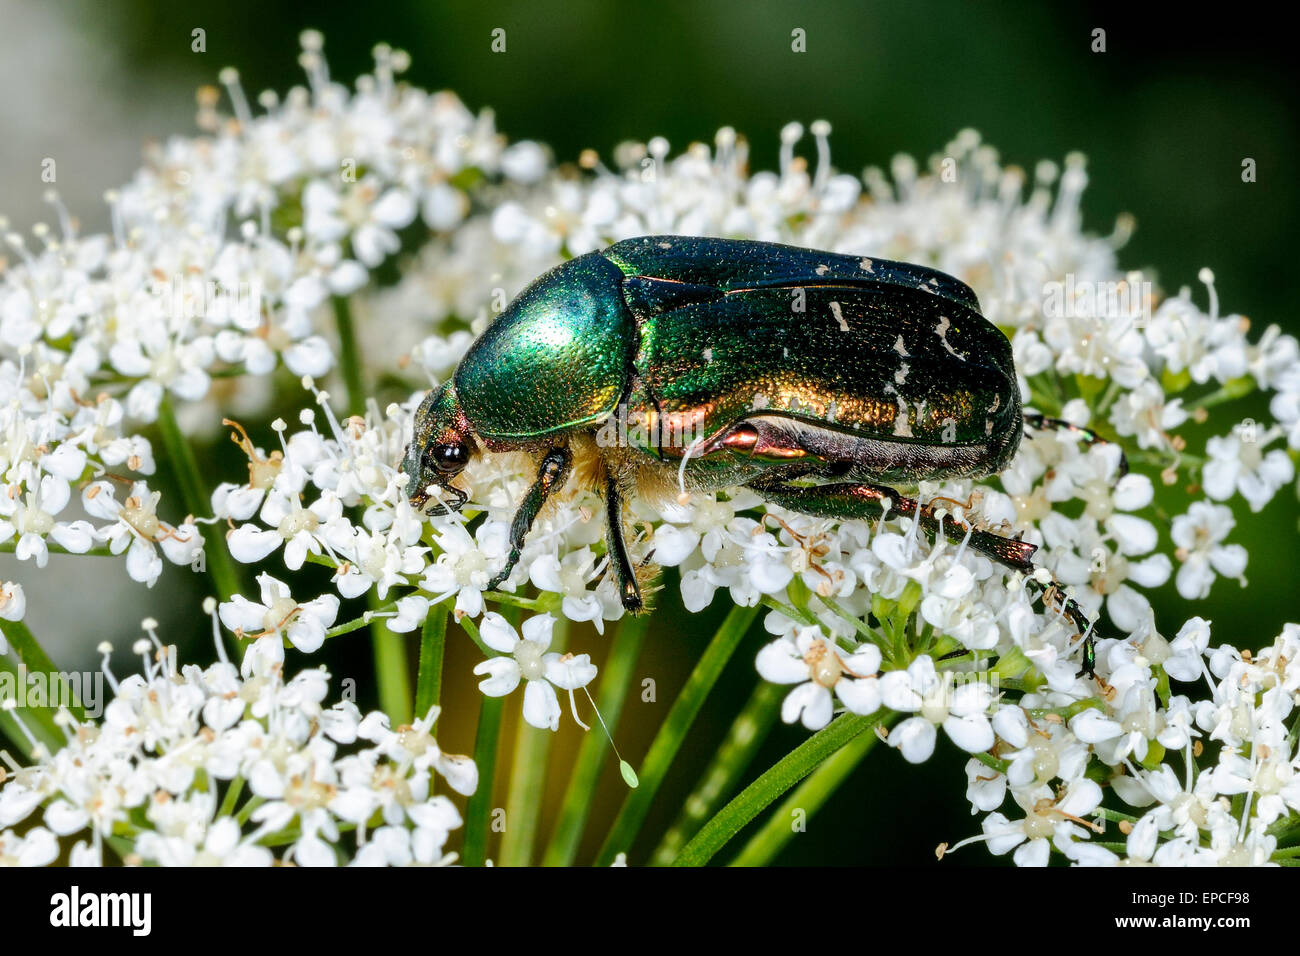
{"points": [[504, 676], [497, 633], [915, 739], [541, 706]]}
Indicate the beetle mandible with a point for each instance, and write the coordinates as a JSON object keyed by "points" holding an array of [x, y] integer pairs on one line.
{"points": [[710, 363]]}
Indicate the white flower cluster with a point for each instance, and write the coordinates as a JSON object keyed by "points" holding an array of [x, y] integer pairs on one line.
{"points": [[224, 253], [338, 499], [1220, 811], [327, 184], [235, 766]]}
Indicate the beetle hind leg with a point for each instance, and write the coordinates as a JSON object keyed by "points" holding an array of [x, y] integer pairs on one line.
{"points": [[1090, 437], [859, 500]]}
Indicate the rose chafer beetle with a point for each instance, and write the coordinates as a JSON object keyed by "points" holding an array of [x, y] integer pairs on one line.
{"points": [[823, 382]]}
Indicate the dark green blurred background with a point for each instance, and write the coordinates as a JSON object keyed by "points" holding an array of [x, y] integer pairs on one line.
{"points": [[1165, 117]]}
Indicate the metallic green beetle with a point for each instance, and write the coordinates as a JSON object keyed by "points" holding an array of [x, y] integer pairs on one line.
{"points": [[713, 363]]}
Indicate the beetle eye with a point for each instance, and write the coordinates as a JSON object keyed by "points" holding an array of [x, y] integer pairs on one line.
{"points": [[447, 458]]}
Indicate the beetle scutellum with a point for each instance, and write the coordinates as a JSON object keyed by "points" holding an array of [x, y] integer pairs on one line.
{"points": [[716, 363]]}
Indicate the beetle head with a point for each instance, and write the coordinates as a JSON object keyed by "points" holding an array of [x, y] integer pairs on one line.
{"points": [[441, 446]]}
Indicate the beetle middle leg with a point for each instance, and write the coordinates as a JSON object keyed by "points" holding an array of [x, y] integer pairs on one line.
{"points": [[620, 562], [861, 500], [551, 475]]}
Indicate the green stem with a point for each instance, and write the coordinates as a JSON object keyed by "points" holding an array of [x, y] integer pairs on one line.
{"points": [[616, 678], [1013, 664], [1229, 392], [1107, 399], [793, 613], [121, 846], [994, 763], [528, 779], [546, 603], [349, 356], [470, 628], [357, 623], [524, 798], [39, 721], [478, 811], [805, 800], [231, 798], [391, 669], [392, 672], [779, 778], [246, 811], [669, 739], [1115, 816], [1285, 829], [428, 680], [36, 661], [859, 625], [747, 733], [180, 453]]}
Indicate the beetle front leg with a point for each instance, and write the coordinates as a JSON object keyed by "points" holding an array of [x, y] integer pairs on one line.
{"points": [[550, 478], [620, 561]]}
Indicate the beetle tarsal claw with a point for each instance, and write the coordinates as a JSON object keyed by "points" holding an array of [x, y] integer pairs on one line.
{"points": [[420, 501]]}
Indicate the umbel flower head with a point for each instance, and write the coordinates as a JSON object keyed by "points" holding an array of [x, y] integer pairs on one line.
{"points": [[258, 245], [206, 766]]}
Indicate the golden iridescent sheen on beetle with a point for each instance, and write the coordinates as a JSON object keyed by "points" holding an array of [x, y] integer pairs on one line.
{"points": [[821, 381]]}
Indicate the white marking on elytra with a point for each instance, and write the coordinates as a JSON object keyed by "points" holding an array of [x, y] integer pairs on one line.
{"points": [[760, 402], [988, 426], [831, 411], [821, 270], [708, 354], [901, 375], [665, 245], [839, 316], [942, 331], [997, 400], [901, 349], [866, 265], [902, 427]]}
